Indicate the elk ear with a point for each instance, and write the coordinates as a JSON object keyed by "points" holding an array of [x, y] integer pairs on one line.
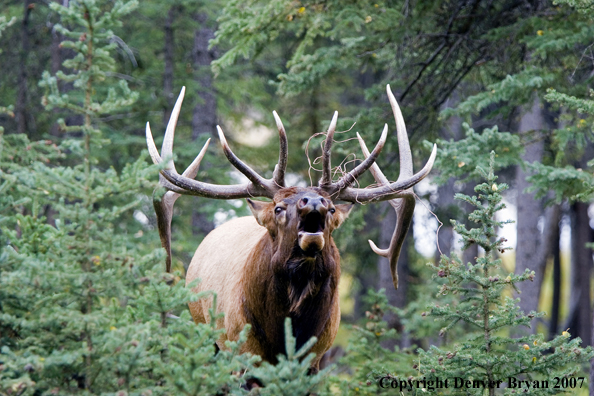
{"points": [[262, 211], [342, 212]]}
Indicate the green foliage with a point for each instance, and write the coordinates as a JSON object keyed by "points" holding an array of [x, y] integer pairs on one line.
{"points": [[460, 159], [4, 23], [489, 352], [557, 45], [289, 375], [91, 41], [509, 92], [367, 357]]}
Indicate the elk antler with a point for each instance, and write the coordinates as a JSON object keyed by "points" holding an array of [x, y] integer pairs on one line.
{"points": [[341, 189], [348, 179], [177, 184], [399, 194], [184, 184], [404, 208]]}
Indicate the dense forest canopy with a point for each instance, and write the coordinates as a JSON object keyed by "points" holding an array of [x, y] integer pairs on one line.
{"points": [[503, 88]]}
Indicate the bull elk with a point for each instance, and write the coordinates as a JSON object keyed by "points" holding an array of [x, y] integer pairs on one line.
{"points": [[282, 262]]}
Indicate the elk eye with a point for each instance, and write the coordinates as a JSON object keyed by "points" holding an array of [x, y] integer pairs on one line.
{"points": [[278, 209], [332, 210]]}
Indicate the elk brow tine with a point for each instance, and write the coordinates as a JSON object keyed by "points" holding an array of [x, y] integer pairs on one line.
{"points": [[327, 150], [406, 165], [368, 162], [281, 167], [239, 164], [167, 148], [163, 206], [152, 147]]}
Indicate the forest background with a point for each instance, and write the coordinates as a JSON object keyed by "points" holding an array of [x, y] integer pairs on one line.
{"points": [[513, 77]]}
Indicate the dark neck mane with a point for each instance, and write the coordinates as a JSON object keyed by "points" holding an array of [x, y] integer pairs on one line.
{"points": [[300, 287]]}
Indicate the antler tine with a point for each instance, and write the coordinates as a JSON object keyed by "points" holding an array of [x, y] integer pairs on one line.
{"points": [[152, 147], [163, 203], [239, 164], [368, 162], [377, 173], [167, 148], [279, 170], [327, 150], [404, 208], [406, 179], [406, 165], [176, 184]]}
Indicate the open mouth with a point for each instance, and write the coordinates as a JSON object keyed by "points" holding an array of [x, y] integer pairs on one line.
{"points": [[311, 233], [312, 223]]}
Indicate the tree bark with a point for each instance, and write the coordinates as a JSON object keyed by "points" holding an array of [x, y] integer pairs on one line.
{"points": [[531, 253], [556, 300], [396, 298], [579, 320], [22, 94], [204, 117], [56, 65]]}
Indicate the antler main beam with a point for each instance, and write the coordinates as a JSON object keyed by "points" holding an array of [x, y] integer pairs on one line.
{"points": [[185, 184]]}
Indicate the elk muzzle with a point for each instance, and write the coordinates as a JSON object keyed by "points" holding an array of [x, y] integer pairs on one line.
{"points": [[312, 212]]}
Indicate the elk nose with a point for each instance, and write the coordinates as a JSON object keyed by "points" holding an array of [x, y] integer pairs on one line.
{"points": [[310, 204]]}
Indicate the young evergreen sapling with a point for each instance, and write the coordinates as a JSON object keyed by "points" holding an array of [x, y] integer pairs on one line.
{"points": [[490, 352]]}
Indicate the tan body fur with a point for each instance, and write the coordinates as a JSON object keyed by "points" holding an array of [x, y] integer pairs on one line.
{"points": [[222, 264]]}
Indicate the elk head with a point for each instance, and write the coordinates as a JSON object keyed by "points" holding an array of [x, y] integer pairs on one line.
{"points": [[300, 217], [296, 217]]}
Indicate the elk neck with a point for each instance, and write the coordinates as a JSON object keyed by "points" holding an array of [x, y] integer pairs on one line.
{"points": [[287, 282]]}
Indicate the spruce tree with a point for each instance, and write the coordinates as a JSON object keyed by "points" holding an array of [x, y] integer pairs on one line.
{"points": [[83, 309], [490, 356]]}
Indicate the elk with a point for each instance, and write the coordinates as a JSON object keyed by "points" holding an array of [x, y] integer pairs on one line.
{"points": [[281, 262]]}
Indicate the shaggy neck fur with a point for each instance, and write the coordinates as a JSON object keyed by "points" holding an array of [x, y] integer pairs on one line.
{"points": [[288, 283]]}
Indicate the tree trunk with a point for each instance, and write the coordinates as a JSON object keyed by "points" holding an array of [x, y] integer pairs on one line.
{"points": [[579, 320], [445, 193], [204, 117], [396, 298], [556, 300], [56, 65], [529, 246], [592, 362], [22, 93], [168, 51]]}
